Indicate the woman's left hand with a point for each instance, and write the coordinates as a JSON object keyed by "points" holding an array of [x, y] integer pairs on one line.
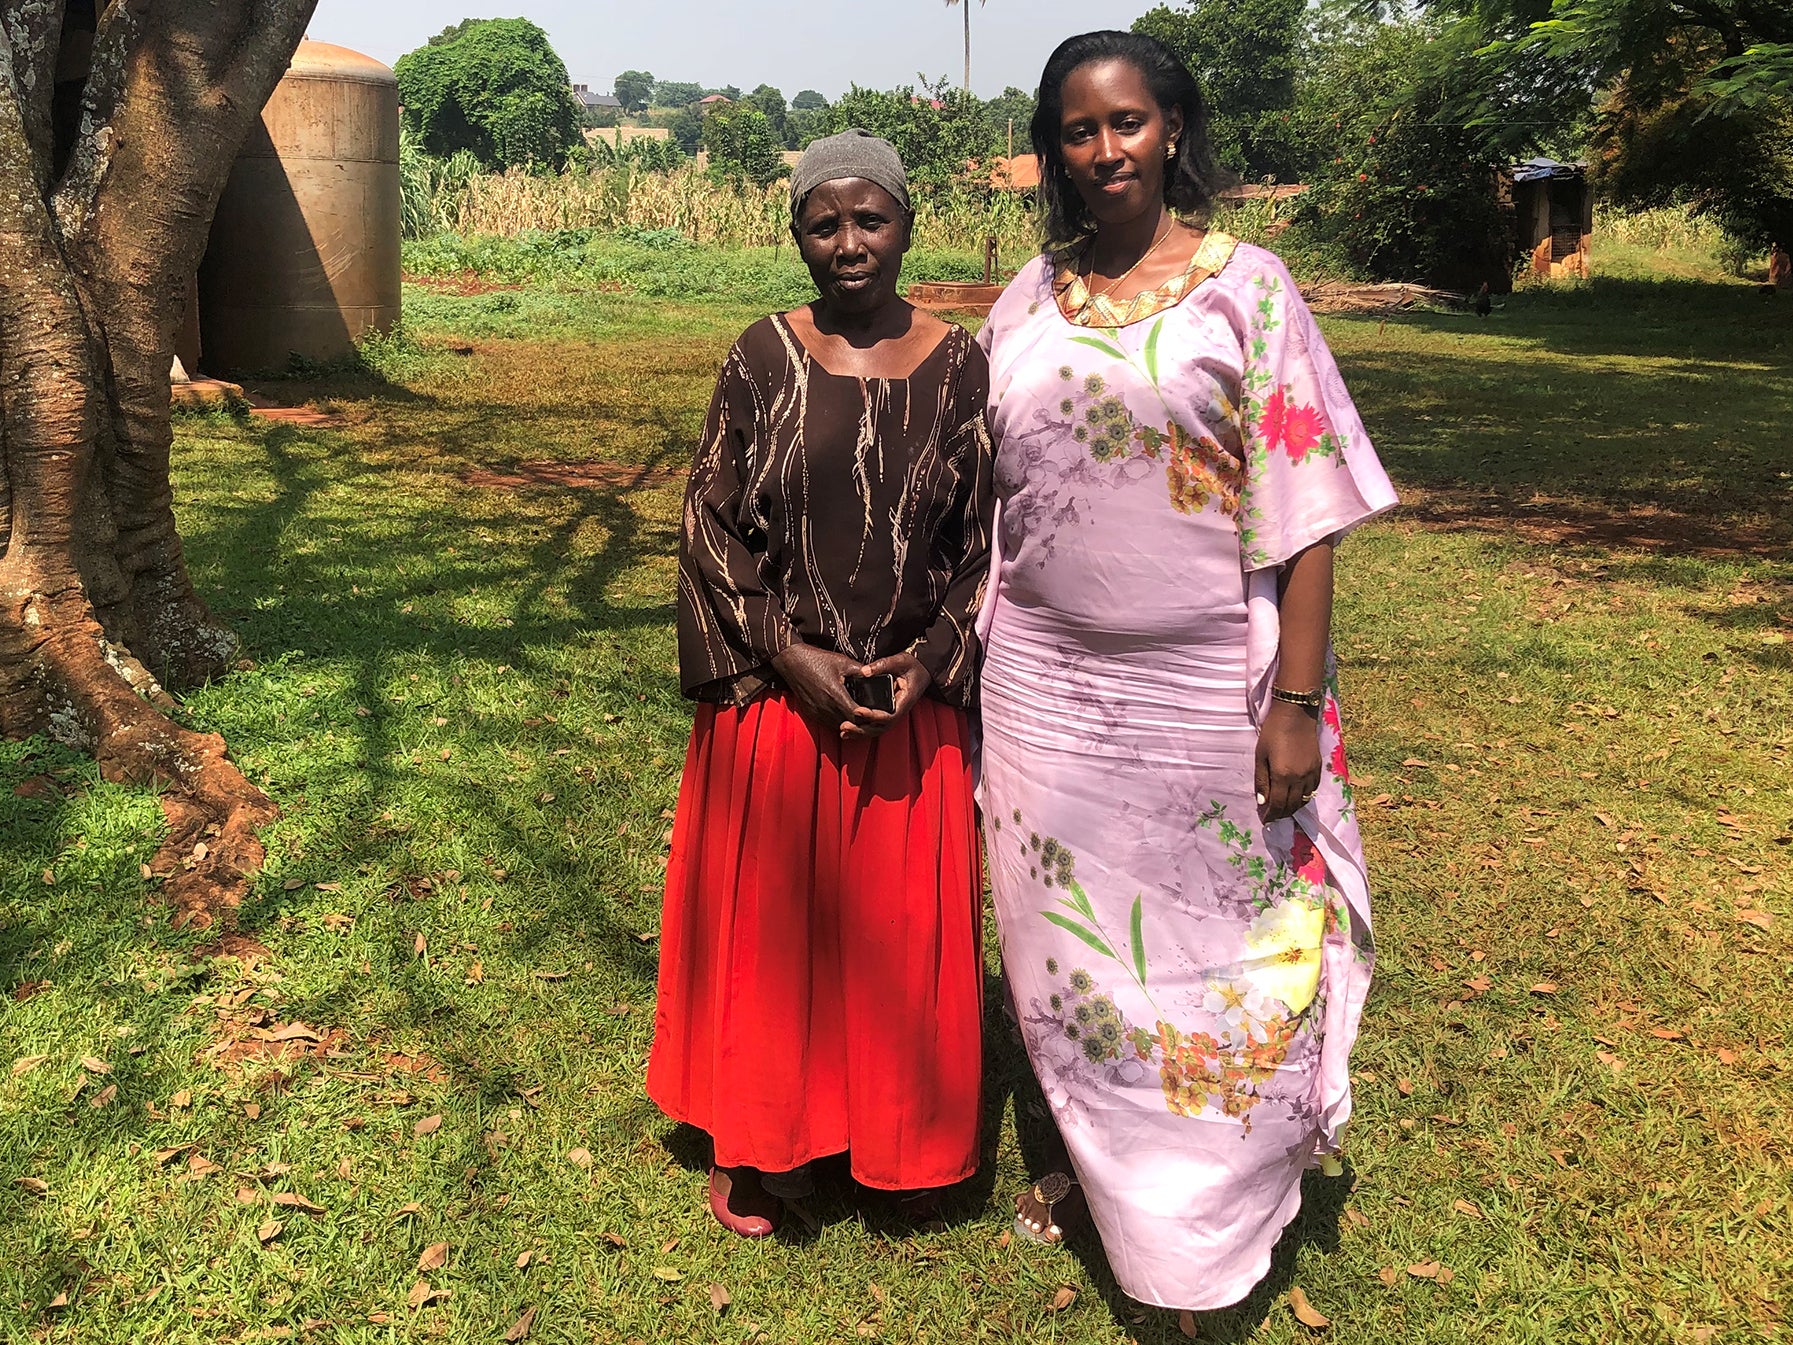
{"points": [[1288, 767], [912, 682]]}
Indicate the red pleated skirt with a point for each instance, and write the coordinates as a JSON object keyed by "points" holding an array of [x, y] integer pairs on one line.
{"points": [[821, 987]]}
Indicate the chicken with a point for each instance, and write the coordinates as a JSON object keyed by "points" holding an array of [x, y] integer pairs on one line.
{"points": [[1484, 303]]}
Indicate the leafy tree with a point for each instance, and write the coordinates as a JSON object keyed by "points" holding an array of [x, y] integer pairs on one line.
{"points": [[633, 89], [688, 129], [804, 124], [770, 102], [667, 93], [1695, 100], [497, 90], [454, 30], [741, 144], [809, 101], [1398, 183], [1011, 107], [100, 233], [1243, 53], [939, 132]]}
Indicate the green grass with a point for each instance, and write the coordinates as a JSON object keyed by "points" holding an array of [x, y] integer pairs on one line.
{"points": [[1566, 671]]}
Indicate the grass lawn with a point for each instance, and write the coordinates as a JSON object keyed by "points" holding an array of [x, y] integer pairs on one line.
{"points": [[402, 1099]]}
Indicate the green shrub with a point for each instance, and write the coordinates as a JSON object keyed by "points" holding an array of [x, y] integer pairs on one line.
{"points": [[495, 89]]}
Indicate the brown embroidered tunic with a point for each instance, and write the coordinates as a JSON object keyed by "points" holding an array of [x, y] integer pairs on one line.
{"points": [[846, 512]]}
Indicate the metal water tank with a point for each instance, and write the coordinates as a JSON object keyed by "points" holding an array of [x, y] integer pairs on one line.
{"points": [[304, 251]]}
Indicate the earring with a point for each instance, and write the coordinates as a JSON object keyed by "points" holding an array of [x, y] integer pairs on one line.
{"points": [[1170, 150]]}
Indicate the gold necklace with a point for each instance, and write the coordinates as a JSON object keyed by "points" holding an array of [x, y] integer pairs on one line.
{"points": [[1114, 284]]}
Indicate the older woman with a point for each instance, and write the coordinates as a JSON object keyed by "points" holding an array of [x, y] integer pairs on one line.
{"points": [[820, 989], [1176, 867]]}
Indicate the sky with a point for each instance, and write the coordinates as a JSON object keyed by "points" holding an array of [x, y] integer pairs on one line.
{"points": [[817, 44]]}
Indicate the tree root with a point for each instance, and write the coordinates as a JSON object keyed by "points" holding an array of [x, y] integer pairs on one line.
{"points": [[97, 697]]}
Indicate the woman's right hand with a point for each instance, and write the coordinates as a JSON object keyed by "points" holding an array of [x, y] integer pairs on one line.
{"points": [[818, 679]]}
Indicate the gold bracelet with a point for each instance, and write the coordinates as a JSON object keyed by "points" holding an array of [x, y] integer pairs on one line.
{"points": [[1314, 700]]}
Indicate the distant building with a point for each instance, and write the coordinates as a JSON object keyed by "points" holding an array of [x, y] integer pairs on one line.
{"points": [[588, 99], [714, 101]]}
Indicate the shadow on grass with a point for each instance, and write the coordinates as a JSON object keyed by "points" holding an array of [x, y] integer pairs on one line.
{"points": [[1620, 414]]}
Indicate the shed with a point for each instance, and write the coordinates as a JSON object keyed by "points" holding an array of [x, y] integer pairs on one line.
{"points": [[1553, 215]]}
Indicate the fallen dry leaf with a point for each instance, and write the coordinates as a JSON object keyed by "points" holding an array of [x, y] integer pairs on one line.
{"points": [[294, 1201], [1544, 988], [1306, 1313], [614, 1239], [523, 1259], [1356, 1216], [1469, 1207], [1404, 1087], [429, 1125], [25, 1064], [296, 1031], [668, 1273], [420, 945], [434, 1257], [579, 1158], [1611, 1061], [184, 1098], [1446, 1274], [519, 1329], [199, 1165], [1389, 1276], [269, 1230], [36, 1185], [1760, 919], [161, 1156], [719, 1299], [60, 1301], [1667, 1034], [1063, 1299], [412, 1208], [252, 1110], [420, 1294], [104, 1097], [94, 1065]]}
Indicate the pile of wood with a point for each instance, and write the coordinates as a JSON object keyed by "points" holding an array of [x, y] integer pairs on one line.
{"points": [[1339, 296]]}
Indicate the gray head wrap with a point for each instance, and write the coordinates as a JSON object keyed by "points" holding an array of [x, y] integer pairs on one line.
{"points": [[852, 153]]}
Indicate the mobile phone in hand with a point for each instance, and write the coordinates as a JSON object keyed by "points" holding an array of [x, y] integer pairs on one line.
{"points": [[874, 693]]}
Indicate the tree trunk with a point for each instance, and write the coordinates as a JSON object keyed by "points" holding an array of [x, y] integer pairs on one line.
{"points": [[116, 137], [966, 6]]}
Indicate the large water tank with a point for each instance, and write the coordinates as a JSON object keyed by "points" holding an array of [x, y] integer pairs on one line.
{"points": [[304, 252]]}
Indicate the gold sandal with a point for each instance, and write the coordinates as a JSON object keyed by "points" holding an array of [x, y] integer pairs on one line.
{"points": [[1047, 1192]]}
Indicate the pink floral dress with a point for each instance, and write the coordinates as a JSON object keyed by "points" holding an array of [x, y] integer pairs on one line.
{"points": [[1188, 981]]}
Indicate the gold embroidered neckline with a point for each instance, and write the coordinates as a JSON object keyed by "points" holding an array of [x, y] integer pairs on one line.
{"points": [[1085, 309]]}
